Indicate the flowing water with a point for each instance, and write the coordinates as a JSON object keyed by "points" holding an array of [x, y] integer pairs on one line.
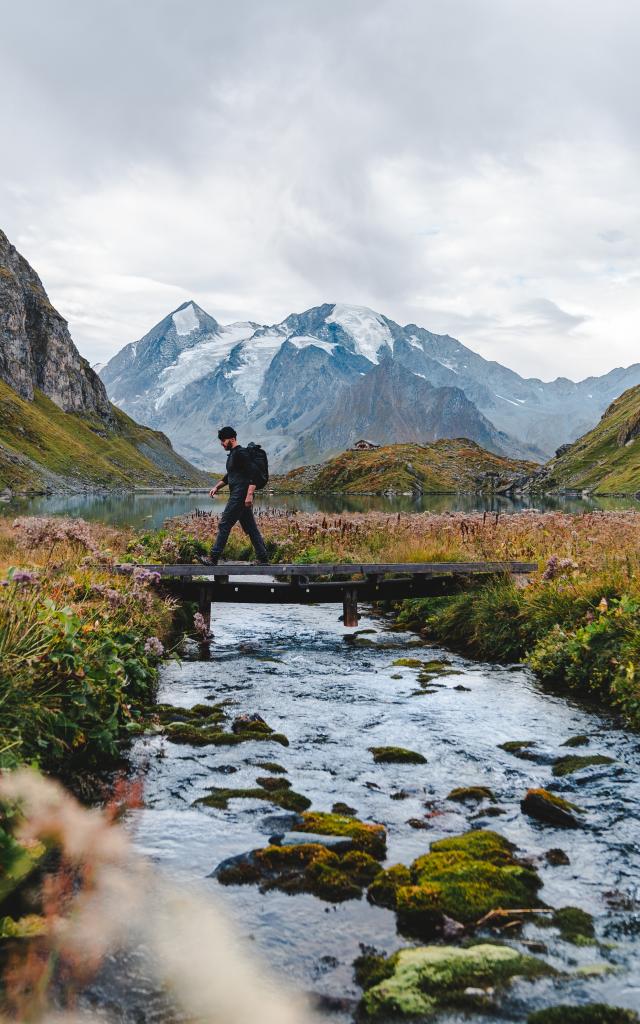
{"points": [[301, 670]]}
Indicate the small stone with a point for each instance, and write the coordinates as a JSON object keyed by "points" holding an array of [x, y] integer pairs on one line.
{"points": [[550, 809], [340, 808], [419, 823], [556, 856]]}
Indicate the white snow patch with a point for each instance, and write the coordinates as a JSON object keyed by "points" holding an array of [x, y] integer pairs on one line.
{"points": [[447, 365], [304, 340], [257, 354], [510, 400], [413, 341], [133, 347], [367, 328], [185, 320], [195, 363]]}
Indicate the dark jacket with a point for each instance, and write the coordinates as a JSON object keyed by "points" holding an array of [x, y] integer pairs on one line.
{"points": [[239, 469]]}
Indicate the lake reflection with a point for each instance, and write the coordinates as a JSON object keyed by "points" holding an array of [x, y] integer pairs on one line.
{"points": [[151, 510]]}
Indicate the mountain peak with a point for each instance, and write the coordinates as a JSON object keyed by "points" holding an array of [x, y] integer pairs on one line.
{"points": [[368, 329]]}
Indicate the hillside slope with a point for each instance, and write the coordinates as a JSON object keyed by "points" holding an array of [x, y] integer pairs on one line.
{"points": [[447, 466], [58, 428], [44, 448], [607, 459]]}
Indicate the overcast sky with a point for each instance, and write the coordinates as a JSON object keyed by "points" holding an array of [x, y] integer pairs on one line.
{"points": [[472, 166]]}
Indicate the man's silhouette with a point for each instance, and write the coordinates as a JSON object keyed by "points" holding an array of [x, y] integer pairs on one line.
{"points": [[239, 508]]}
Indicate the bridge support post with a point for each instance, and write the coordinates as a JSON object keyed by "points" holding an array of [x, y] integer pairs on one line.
{"points": [[204, 607], [350, 615]]}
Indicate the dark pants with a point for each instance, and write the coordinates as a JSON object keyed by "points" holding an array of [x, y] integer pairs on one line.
{"points": [[235, 511]]}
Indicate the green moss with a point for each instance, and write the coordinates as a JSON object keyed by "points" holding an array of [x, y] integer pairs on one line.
{"points": [[594, 1013], [557, 801], [408, 662], [270, 783], [286, 798], [464, 878], [371, 968], [515, 746], [575, 925], [17, 862], [573, 763], [366, 836], [576, 741], [308, 867], [271, 766], [28, 927], [428, 979], [396, 755], [463, 793], [199, 736]]}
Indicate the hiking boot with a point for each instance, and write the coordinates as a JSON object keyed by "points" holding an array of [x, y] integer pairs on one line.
{"points": [[212, 560], [260, 561]]}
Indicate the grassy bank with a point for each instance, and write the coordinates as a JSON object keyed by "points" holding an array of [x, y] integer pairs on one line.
{"points": [[78, 646], [576, 622]]}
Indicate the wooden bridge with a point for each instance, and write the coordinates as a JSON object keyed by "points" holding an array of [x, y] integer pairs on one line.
{"points": [[347, 584]]}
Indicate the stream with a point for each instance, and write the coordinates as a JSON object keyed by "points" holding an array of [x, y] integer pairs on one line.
{"points": [[334, 698]]}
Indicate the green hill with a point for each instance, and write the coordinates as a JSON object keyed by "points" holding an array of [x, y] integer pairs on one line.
{"points": [[42, 447], [607, 459], [448, 466]]}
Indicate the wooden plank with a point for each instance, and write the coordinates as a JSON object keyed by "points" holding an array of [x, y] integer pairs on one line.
{"points": [[332, 592], [350, 607], [333, 569]]}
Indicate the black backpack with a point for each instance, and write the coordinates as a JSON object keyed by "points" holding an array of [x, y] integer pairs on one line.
{"points": [[259, 464]]}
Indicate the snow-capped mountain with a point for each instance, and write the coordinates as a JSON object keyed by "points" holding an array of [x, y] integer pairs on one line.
{"points": [[315, 382]]}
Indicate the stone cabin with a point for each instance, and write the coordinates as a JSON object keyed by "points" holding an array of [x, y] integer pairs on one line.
{"points": [[364, 446]]}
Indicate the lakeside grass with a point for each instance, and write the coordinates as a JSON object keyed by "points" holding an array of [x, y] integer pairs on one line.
{"points": [[576, 622]]}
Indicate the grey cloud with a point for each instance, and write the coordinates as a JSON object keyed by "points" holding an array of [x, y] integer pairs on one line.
{"points": [[406, 154]]}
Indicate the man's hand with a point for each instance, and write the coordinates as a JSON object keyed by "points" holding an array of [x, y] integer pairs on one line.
{"points": [[214, 490], [250, 493]]}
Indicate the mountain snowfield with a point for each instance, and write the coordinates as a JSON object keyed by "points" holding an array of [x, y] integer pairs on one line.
{"points": [[308, 387]]}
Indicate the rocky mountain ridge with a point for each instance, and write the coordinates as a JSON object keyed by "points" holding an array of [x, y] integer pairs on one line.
{"points": [[309, 386]]}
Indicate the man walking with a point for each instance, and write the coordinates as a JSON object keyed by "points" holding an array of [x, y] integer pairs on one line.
{"points": [[240, 477]]}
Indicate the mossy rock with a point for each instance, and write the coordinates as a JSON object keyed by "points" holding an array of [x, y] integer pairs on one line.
{"points": [[428, 979], [196, 736], [475, 793], [462, 878], [550, 809], [594, 1013], [556, 857], [371, 968], [366, 836], [307, 867], [396, 755], [271, 784], [575, 925], [576, 741], [341, 808], [200, 715], [516, 746], [271, 766], [575, 762], [281, 796], [408, 663]]}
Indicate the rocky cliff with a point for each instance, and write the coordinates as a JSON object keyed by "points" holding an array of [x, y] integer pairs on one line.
{"points": [[58, 429], [36, 349]]}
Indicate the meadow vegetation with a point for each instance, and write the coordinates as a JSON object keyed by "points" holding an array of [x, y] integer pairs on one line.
{"points": [[79, 645], [575, 622]]}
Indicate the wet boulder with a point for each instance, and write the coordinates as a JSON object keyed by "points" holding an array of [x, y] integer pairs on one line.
{"points": [[365, 835], [396, 755], [420, 982], [551, 809], [575, 762], [462, 878], [593, 1013]]}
